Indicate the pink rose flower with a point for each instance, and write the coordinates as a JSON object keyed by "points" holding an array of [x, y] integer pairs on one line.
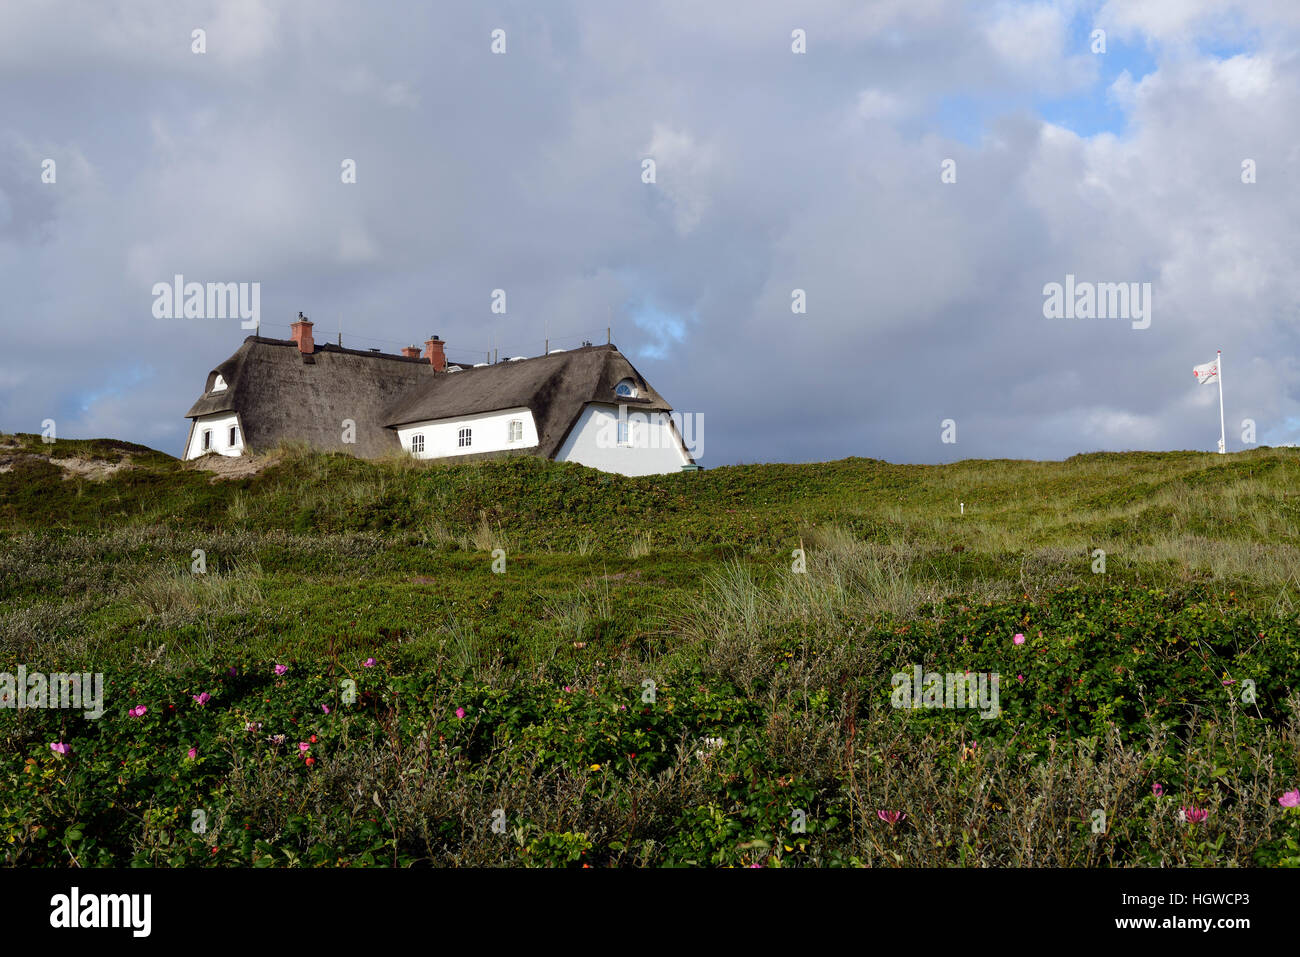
{"points": [[370, 662], [138, 711], [1290, 799], [281, 669], [1019, 639], [460, 712], [58, 747], [202, 698]]}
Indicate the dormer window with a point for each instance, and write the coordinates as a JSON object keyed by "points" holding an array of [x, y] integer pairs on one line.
{"points": [[626, 389], [219, 385]]}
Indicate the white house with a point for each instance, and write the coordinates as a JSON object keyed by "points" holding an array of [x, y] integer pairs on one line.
{"points": [[587, 405]]}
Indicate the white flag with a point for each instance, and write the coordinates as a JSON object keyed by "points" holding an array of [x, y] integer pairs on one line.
{"points": [[1206, 372]]}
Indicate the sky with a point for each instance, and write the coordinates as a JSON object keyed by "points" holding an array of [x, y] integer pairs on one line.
{"points": [[922, 170]]}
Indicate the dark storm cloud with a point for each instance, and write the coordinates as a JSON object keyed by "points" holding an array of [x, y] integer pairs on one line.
{"points": [[775, 172]]}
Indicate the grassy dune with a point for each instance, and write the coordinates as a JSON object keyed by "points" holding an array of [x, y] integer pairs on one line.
{"points": [[650, 681]]}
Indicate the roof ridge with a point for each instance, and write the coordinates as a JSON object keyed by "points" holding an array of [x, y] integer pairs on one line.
{"points": [[554, 353], [463, 366], [331, 347]]}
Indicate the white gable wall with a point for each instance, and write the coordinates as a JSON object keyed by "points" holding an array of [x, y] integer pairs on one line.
{"points": [[489, 432], [654, 447], [220, 424]]}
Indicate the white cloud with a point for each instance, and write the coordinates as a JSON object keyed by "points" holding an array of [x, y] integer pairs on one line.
{"points": [[684, 169], [1027, 36], [876, 104], [140, 35]]}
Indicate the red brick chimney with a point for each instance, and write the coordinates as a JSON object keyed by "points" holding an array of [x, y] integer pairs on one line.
{"points": [[411, 352], [434, 352], [302, 334]]}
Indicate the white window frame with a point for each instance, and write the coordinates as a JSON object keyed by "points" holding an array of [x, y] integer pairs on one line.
{"points": [[207, 440], [417, 443], [515, 431], [624, 434], [626, 384], [233, 435], [465, 438]]}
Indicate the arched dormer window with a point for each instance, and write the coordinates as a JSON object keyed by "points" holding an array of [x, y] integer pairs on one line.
{"points": [[626, 389], [219, 384]]}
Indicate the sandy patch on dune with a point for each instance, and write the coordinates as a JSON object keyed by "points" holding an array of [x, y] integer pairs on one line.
{"points": [[232, 466], [94, 469]]}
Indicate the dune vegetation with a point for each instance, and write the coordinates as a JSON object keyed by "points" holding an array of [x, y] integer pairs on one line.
{"points": [[313, 660]]}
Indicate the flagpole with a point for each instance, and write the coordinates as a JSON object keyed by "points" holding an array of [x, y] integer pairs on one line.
{"points": [[1223, 434]]}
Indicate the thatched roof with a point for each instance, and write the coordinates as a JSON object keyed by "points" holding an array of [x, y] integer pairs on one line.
{"points": [[283, 395], [555, 387]]}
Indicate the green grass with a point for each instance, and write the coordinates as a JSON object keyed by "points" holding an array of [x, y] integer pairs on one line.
{"points": [[685, 581]]}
